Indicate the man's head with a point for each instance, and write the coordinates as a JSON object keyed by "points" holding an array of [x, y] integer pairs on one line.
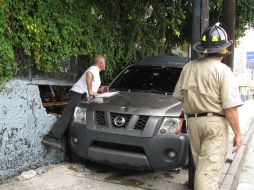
{"points": [[100, 62], [214, 40]]}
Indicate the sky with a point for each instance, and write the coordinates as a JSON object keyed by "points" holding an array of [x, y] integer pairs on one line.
{"points": [[248, 40]]}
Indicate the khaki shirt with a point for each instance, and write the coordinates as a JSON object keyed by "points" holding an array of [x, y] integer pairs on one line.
{"points": [[207, 85]]}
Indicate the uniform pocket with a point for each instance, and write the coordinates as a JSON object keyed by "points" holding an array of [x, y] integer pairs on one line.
{"points": [[214, 158]]}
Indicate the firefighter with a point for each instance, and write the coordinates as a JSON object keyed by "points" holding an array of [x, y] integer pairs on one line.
{"points": [[210, 97]]}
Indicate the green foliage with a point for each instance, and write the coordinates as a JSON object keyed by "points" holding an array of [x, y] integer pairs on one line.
{"points": [[7, 63], [41, 35], [244, 15], [46, 32]]}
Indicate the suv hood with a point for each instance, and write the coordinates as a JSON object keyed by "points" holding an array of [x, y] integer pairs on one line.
{"points": [[139, 103]]}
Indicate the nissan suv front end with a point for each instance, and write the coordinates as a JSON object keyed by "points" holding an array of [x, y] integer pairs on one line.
{"points": [[136, 127]]}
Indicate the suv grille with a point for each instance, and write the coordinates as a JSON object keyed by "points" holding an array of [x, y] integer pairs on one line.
{"points": [[140, 125], [100, 118], [120, 120]]}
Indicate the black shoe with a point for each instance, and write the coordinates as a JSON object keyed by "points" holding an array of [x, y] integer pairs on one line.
{"points": [[52, 142]]}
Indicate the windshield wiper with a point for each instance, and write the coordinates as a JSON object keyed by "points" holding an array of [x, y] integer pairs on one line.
{"points": [[120, 89], [155, 91], [142, 90]]}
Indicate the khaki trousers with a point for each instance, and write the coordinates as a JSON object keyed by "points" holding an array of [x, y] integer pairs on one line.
{"points": [[208, 140]]}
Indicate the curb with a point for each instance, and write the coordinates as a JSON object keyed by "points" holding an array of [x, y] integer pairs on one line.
{"points": [[230, 180]]}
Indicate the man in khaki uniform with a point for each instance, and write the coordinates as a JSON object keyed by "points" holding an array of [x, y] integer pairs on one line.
{"points": [[210, 99]]}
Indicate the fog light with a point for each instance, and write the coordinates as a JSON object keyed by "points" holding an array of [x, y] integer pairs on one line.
{"points": [[74, 140], [172, 155], [163, 131]]}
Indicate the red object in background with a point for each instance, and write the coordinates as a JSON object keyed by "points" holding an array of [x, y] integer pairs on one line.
{"points": [[52, 95]]}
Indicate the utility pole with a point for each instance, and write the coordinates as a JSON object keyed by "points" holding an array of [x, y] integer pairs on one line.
{"points": [[196, 15], [200, 21], [228, 23], [204, 15]]}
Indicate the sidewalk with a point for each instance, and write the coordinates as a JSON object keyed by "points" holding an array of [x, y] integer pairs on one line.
{"points": [[62, 178], [67, 176], [232, 169], [246, 176]]}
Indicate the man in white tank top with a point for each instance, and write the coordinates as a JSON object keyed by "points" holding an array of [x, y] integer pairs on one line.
{"points": [[90, 81], [87, 86]]}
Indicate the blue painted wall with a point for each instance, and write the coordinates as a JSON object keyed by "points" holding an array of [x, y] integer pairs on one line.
{"points": [[23, 123]]}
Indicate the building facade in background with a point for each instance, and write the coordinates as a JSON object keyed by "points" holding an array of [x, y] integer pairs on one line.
{"points": [[244, 65]]}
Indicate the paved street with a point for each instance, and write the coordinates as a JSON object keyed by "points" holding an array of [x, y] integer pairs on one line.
{"points": [[67, 176]]}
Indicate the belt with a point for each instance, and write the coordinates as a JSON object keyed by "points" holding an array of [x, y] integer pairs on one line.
{"points": [[204, 114]]}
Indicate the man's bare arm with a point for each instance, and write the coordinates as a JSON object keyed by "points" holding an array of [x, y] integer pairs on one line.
{"points": [[232, 118], [89, 80], [103, 89]]}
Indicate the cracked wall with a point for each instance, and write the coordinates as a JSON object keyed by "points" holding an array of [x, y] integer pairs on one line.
{"points": [[23, 123]]}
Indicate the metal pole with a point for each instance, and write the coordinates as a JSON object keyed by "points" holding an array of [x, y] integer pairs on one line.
{"points": [[204, 15], [228, 23], [200, 21], [196, 19], [196, 12]]}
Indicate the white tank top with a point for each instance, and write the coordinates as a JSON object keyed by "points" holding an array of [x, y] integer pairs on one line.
{"points": [[81, 87]]}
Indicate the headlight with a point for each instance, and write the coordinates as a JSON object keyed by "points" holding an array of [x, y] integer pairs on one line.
{"points": [[169, 125], [80, 115]]}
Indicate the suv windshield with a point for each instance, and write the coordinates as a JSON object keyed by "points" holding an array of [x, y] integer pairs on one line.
{"points": [[155, 79]]}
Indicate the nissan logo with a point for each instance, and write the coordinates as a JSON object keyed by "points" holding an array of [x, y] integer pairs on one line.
{"points": [[119, 121]]}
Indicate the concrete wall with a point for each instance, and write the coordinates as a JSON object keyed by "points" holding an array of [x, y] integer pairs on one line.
{"points": [[23, 123]]}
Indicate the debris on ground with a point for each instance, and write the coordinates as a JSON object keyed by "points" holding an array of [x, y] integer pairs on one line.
{"points": [[27, 175], [41, 170], [80, 168]]}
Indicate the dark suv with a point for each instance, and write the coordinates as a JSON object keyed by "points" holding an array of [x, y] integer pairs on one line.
{"points": [[135, 128]]}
